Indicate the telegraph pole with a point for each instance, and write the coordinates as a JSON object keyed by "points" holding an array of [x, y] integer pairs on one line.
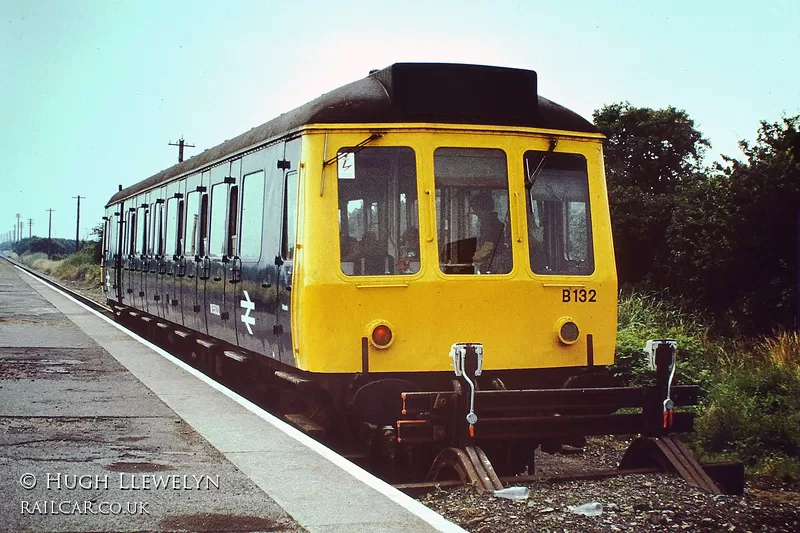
{"points": [[30, 228], [17, 229], [180, 144], [78, 223], [50, 233]]}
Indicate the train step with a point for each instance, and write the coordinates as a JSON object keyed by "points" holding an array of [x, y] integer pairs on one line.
{"points": [[236, 356], [305, 424], [206, 344], [293, 379]]}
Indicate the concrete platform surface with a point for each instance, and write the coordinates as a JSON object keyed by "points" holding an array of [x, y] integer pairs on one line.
{"points": [[101, 431]]}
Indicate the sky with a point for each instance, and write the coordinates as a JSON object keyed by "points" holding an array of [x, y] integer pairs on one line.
{"points": [[93, 92]]}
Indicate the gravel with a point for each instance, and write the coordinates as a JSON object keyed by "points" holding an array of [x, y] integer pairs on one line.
{"points": [[636, 502]]}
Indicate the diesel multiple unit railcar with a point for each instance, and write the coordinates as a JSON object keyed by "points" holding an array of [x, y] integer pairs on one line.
{"points": [[425, 223]]}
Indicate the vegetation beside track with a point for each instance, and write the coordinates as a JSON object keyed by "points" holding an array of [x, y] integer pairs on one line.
{"points": [[750, 411], [78, 267], [80, 270]]}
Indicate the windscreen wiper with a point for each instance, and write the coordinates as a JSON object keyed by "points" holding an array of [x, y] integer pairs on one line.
{"points": [[530, 178], [355, 149]]}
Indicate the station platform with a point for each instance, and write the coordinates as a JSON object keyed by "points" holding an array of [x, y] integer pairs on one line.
{"points": [[103, 431]]}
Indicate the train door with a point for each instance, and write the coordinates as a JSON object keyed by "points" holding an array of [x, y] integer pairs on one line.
{"points": [[173, 206], [110, 253], [195, 318], [145, 239], [285, 260], [224, 199], [106, 254], [187, 267], [130, 254], [157, 265], [233, 263], [138, 255], [119, 242], [255, 298]]}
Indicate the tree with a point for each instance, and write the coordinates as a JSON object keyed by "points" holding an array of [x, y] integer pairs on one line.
{"points": [[764, 191], [650, 155], [95, 245], [736, 234]]}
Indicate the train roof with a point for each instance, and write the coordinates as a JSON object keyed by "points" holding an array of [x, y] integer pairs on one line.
{"points": [[403, 93]]}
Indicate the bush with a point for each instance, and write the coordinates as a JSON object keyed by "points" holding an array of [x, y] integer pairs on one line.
{"points": [[79, 267], [644, 316], [779, 467], [752, 413]]}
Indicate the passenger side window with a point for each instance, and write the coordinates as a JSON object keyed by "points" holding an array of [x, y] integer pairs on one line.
{"points": [[181, 228], [158, 228], [252, 216], [216, 241], [112, 244], [106, 238], [171, 236], [141, 230], [130, 241], [192, 224], [202, 238]]}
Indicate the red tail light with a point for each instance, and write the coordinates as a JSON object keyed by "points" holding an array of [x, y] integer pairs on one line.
{"points": [[382, 336]]}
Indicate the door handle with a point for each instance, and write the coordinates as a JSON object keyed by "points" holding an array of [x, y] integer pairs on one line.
{"points": [[206, 268], [236, 270], [181, 266]]}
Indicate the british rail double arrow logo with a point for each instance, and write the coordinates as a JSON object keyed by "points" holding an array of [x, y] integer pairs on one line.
{"points": [[249, 306]]}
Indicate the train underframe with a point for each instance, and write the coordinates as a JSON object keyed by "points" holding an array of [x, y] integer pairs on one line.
{"points": [[470, 423]]}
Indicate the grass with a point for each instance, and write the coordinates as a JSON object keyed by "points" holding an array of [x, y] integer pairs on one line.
{"points": [[78, 267], [783, 349]]}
